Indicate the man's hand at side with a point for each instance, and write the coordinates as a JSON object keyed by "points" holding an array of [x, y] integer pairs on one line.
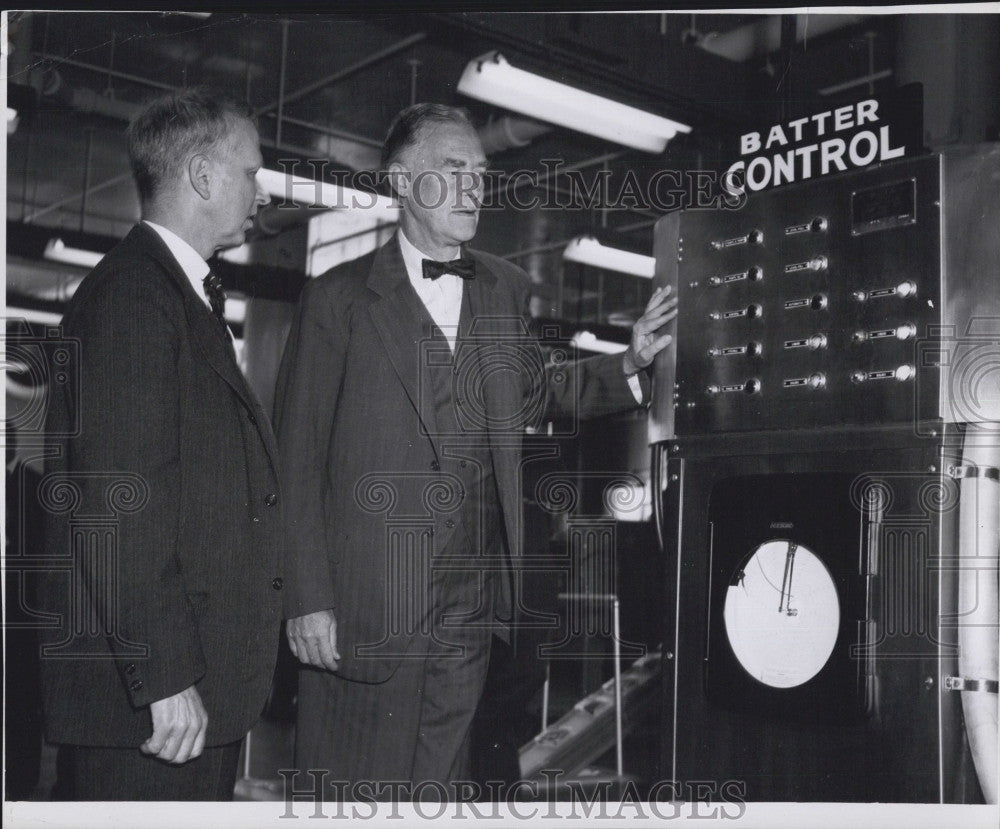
{"points": [[179, 725], [313, 639], [645, 345]]}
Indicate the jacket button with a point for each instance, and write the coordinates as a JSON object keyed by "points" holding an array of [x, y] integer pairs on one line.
{"points": [[136, 685], [449, 524], [130, 668], [253, 420], [435, 466], [270, 499], [277, 583]]}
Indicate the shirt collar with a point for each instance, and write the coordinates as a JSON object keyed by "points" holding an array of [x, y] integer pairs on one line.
{"points": [[195, 268], [413, 258]]}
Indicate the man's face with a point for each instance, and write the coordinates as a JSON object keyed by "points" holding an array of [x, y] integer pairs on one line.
{"points": [[236, 194], [440, 179]]}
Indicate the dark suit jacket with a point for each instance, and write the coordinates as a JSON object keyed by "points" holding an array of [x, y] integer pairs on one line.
{"points": [[359, 443], [178, 558]]}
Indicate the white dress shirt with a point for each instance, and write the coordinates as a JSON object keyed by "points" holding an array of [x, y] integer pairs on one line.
{"points": [[442, 297], [195, 268]]}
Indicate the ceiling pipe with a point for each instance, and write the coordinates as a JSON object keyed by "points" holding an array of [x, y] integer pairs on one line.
{"points": [[509, 132], [764, 36]]}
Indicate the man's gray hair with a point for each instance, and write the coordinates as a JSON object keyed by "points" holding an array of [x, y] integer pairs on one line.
{"points": [[405, 127], [173, 127]]}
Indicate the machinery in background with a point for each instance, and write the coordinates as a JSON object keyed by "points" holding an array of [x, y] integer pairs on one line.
{"points": [[825, 435]]}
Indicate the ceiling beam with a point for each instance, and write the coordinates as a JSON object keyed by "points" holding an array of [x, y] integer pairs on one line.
{"points": [[341, 74]]}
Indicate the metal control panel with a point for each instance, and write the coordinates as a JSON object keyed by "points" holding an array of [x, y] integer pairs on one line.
{"points": [[838, 302]]}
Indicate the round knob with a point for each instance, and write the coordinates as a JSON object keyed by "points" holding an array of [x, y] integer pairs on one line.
{"points": [[817, 380], [905, 289], [859, 336], [714, 352], [715, 280], [754, 349], [905, 372], [818, 263], [860, 296], [754, 311], [818, 302], [755, 273], [755, 237], [752, 386], [858, 377], [715, 315], [713, 389], [906, 331], [817, 341], [818, 225]]}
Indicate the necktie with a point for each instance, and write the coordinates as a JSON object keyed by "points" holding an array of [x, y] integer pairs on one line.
{"points": [[465, 268], [216, 296]]}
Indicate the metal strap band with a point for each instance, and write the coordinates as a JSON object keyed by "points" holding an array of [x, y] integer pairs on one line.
{"points": [[991, 472], [960, 683]]}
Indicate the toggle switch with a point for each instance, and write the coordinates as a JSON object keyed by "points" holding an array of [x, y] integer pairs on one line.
{"points": [[906, 331], [817, 341], [817, 380], [818, 302], [818, 225], [905, 289]]}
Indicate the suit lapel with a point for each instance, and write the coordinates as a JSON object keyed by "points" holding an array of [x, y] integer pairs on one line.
{"points": [[495, 328], [398, 316], [210, 338]]}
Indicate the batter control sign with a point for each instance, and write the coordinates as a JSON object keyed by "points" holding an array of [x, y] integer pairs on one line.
{"points": [[869, 131]]}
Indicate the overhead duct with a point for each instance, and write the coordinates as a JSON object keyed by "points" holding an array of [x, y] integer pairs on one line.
{"points": [[508, 132], [764, 36]]}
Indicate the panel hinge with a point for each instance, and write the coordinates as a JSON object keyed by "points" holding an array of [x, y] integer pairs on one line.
{"points": [[961, 683]]}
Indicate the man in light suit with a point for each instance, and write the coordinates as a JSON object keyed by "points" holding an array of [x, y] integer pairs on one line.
{"points": [[164, 525], [407, 382]]}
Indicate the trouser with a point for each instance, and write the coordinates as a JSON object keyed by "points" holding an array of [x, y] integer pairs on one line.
{"points": [[407, 737], [128, 774]]}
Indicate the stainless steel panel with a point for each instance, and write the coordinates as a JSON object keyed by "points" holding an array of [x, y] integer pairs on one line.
{"points": [[869, 298]]}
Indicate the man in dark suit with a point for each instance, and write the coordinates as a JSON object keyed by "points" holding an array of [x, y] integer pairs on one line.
{"points": [[164, 526], [407, 382]]}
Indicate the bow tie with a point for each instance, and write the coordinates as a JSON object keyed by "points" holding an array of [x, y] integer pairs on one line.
{"points": [[216, 296], [465, 268]]}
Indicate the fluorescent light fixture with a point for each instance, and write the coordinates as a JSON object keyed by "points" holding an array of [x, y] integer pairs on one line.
{"points": [[57, 251], [492, 79], [236, 310], [33, 315], [588, 251], [589, 342], [308, 191]]}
